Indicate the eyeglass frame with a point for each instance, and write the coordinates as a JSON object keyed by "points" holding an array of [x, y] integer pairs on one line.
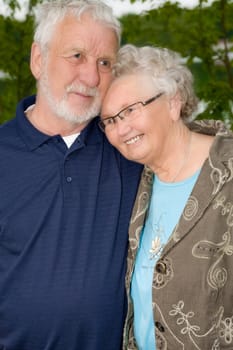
{"points": [[145, 103]]}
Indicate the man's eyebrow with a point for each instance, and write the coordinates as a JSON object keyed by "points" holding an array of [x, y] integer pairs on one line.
{"points": [[71, 50]]}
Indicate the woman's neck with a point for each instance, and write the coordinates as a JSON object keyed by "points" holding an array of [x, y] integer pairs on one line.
{"points": [[185, 158]]}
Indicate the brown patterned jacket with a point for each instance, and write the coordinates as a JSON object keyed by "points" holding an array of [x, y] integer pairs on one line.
{"points": [[193, 279]]}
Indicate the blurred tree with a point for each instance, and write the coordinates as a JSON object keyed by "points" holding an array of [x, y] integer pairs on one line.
{"points": [[14, 62], [204, 37], [16, 38]]}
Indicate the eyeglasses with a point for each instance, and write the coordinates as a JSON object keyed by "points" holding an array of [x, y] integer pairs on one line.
{"points": [[130, 112]]}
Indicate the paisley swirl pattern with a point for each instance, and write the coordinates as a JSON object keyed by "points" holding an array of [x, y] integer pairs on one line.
{"points": [[191, 208], [192, 296], [142, 206]]}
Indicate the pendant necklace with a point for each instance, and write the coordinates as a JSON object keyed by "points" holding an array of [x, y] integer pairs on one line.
{"points": [[158, 232]]}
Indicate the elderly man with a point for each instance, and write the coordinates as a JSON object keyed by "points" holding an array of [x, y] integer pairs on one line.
{"points": [[66, 193]]}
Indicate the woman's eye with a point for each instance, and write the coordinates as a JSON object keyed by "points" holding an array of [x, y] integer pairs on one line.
{"points": [[110, 121], [129, 110]]}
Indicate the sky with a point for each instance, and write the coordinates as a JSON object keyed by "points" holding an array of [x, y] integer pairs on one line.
{"points": [[121, 7]]}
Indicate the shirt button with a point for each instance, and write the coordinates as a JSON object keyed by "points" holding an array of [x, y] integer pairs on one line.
{"points": [[69, 179], [160, 327], [161, 267]]}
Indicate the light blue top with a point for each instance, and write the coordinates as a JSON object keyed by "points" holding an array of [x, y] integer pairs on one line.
{"points": [[167, 203]]}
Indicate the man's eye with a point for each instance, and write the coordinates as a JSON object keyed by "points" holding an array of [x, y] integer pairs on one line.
{"points": [[75, 58], [105, 64], [78, 55]]}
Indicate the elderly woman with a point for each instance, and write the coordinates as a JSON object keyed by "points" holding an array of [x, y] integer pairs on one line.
{"points": [[180, 261]]}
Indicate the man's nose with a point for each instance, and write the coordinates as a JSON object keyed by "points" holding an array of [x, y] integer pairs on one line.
{"points": [[89, 74]]}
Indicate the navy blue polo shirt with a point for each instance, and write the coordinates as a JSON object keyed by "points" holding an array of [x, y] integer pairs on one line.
{"points": [[64, 217]]}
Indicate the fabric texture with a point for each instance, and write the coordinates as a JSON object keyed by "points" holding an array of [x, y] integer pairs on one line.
{"points": [[192, 282], [64, 216], [166, 205]]}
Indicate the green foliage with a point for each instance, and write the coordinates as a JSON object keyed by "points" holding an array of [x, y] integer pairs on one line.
{"points": [[204, 36], [17, 81]]}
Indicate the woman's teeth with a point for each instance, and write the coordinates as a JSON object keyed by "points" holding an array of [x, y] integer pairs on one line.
{"points": [[133, 140]]}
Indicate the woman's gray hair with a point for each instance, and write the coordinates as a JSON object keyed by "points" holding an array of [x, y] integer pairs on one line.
{"points": [[50, 13], [166, 70]]}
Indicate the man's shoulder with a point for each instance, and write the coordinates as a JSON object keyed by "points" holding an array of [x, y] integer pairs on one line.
{"points": [[7, 129], [130, 169]]}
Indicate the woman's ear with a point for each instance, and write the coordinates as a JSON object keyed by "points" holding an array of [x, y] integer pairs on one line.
{"points": [[36, 60], [175, 106]]}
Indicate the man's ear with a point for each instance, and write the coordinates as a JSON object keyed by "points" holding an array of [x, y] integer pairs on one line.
{"points": [[36, 60], [175, 106]]}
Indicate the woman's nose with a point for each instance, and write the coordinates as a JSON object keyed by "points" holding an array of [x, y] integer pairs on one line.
{"points": [[123, 126]]}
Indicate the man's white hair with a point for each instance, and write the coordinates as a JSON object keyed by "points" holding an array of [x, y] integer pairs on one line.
{"points": [[49, 14]]}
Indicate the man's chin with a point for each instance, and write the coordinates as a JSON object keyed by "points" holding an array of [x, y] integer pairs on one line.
{"points": [[76, 119]]}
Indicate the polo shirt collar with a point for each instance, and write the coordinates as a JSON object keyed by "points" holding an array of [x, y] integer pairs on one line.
{"points": [[31, 136], [34, 138]]}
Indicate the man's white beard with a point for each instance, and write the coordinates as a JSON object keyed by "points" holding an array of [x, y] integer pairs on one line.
{"points": [[61, 107]]}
